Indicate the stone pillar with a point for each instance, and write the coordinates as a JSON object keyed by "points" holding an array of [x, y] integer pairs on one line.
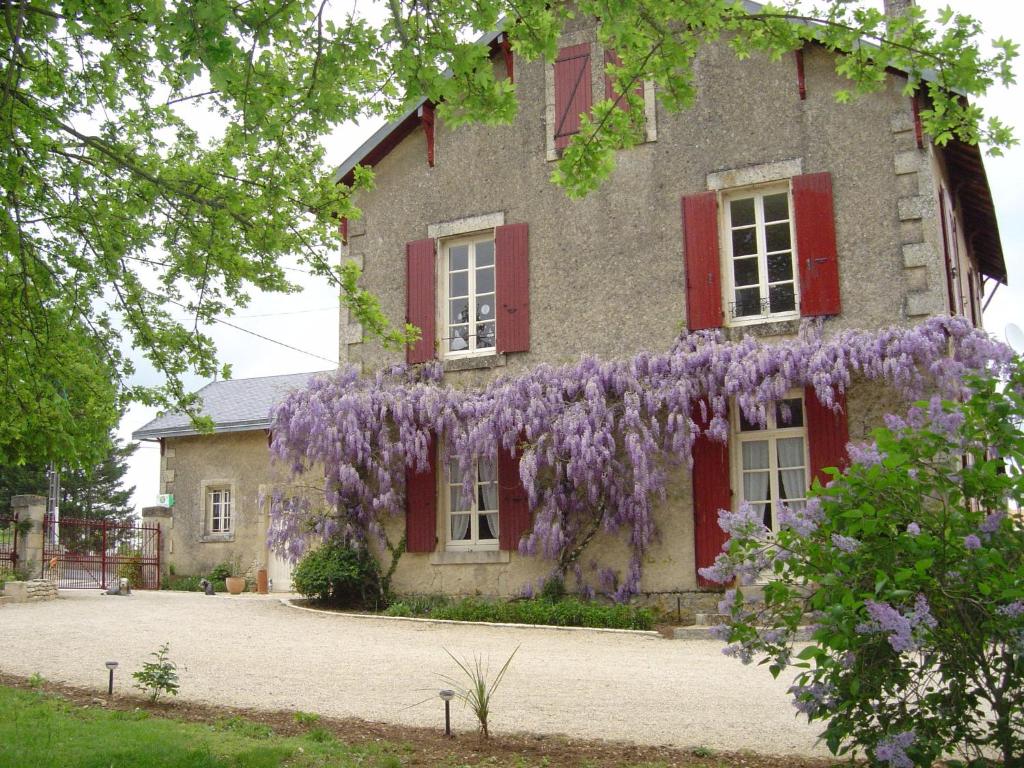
{"points": [[30, 546], [163, 516]]}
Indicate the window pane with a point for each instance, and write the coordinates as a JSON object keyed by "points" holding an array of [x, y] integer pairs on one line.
{"points": [[776, 207], [484, 335], [460, 528], [458, 257], [489, 526], [780, 267], [789, 413], [458, 284], [745, 272], [748, 302], [755, 455], [487, 472], [744, 242], [458, 338], [791, 452], [485, 307], [782, 297], [485, 280], [777, 237], [792, 483], [458, 311], [748, 426], [742, 212], [487, 496], [485, 253]]}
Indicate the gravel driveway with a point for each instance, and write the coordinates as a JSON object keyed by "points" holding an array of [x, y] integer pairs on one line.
{"points": [[257, 652]]}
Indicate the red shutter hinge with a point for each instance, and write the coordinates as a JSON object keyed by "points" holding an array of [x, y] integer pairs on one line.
{"points": [[427, 118], [801, 82], [506, 49]]}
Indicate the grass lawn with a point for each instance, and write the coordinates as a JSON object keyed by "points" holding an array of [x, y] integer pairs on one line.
{"points": [[44, 725]]}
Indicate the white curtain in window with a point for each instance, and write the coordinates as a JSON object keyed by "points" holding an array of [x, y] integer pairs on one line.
{"points": [[756, 485], [792, 479], [460, 527], [492, 523]]}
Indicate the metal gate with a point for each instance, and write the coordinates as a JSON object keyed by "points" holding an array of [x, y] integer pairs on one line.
{"points": [[8, 541], [95, 554]]}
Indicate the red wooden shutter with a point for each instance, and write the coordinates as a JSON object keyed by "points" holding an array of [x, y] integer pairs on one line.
{"points": [[420, 301], [421, 505], [711, 492], [512, 287], [611, 57], [816, 244], [827, 434], [703, 271], [573, 93], [513, 507]]}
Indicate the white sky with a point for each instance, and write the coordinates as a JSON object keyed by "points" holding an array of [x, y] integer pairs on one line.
{"points": [[309, 320]]}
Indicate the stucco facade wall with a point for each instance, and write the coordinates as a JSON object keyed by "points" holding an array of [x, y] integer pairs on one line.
{"points": [[191, 465]]}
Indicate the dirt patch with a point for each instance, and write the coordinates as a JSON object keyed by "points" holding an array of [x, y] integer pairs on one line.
{"points": [[423, 747]]}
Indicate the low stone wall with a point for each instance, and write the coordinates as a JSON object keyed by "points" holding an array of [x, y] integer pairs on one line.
{"points": [[30, 591], [683, 606]]}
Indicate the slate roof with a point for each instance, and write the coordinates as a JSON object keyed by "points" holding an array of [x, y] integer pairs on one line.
{"points": [[235, 405]]}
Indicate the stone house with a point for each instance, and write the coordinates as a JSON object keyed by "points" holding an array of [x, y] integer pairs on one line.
{"points": [[764, 204], [217, 480]]}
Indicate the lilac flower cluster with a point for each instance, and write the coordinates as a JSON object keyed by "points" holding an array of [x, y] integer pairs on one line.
{"points": [[846, 544], [804, 521], [893, 749], [913, 529], [972, 542], [813, 699], [904, 629], [598, 438], [1012, 610], [865, 454]]}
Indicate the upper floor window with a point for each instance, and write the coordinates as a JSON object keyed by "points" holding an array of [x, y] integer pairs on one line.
{"points": [[469, 305], [218, 507], [473, 525], [773, 462], [761, 275]]}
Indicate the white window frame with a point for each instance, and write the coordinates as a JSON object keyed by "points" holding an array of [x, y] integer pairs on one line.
{"points": [[449, 492], [444, 325], [758, 193], [212, 504], [772, 433]]}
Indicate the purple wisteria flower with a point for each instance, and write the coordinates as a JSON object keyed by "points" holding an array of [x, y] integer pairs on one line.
{"points": [[913, 529], [846, 544], [972, 542], [893, 749]]}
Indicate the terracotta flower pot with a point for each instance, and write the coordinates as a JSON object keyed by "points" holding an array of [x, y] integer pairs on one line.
{"points": [[235, 584]]}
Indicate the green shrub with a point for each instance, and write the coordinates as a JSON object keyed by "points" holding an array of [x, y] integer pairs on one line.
{"points": [[570, 612], [553, 589], [220, 572], [338, 575], [159, 676], [131, 568], [190, 584], [398, 609]]}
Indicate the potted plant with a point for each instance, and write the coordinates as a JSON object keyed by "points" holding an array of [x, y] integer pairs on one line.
{"points": [[235, 580]]}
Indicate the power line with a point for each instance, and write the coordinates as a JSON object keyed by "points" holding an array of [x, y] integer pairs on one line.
{"points": [[261, 336]]}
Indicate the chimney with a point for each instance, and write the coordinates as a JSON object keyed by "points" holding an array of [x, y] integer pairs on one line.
{"points": [[896, 8]]}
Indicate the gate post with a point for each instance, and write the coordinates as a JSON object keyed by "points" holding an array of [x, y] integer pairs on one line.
{"points": [[162, 518], [32, 509]]}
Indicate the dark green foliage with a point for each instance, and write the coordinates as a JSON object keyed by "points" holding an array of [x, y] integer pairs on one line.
{"points": [[553, 589], [338, 575], [158, 676], [220, 572], [190, 584], [568, 612]]}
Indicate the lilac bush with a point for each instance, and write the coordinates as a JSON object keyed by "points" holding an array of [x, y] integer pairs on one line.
{"points": [[598, 438], [910, 568]]}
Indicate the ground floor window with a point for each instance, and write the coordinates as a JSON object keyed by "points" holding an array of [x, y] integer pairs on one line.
{"points": [[473, 522]]}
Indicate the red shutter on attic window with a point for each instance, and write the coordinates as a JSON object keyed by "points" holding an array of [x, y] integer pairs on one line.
{"points": [[513, 507], [703, 271], [711, 492], [420, 301], [611, 57], [827, 434], [816, 244], [512, 287], [421, 505], [573, 92]]}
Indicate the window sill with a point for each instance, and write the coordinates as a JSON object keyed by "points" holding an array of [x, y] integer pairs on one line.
{"points": [[208, 538], [473, 362], [767, 328], [463, 557]]}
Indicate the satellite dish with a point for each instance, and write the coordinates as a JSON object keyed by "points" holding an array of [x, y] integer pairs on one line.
{"points": [[1015, 338]]}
